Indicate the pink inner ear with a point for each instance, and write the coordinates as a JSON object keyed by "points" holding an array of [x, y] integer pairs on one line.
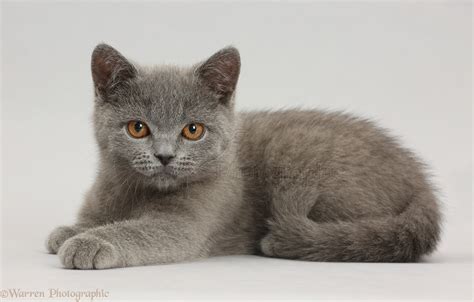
{"points": [[109, 68], [101, 71], [221, 72]]}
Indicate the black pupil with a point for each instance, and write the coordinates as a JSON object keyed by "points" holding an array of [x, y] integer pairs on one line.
{"points": [[192, 128], [138, 126]]}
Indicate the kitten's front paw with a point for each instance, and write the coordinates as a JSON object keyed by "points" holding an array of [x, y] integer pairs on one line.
{"points": [[57, 238], [86, 251]]}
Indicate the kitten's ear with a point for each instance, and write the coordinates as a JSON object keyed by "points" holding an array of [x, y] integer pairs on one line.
{"points": [[220, 73], [109, 69]]}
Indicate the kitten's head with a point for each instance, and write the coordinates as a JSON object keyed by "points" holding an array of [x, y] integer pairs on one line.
{"points": [[165, 126]]}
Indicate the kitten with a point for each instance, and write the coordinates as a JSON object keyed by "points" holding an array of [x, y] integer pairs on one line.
{"points": [[182, 176]]}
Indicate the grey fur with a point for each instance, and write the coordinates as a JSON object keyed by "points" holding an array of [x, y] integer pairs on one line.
{"points": [[308, 185]]}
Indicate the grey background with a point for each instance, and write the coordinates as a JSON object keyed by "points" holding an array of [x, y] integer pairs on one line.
{"points": [[405, 64]]}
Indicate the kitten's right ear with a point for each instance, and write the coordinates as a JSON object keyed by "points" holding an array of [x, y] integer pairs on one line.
{"points": [[109, 69]]}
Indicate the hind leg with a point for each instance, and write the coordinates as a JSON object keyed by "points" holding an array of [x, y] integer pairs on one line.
{"points": [[278, 244], [289, 214], [299, 219]]}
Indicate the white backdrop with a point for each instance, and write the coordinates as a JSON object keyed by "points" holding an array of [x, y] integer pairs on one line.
{"points": [[407, 65]]}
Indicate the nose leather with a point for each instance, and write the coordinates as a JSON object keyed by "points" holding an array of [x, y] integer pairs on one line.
{"points": [[164, 158]]}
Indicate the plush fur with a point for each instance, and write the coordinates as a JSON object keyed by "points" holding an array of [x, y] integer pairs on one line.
{"points": [[308, 185]]}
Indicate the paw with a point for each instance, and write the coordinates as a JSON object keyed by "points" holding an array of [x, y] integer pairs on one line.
{"points": [[278, 242], [57, 238], [86, 251], [267, 245]]}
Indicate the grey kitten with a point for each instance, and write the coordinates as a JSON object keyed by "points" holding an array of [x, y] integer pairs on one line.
{"points": [[182, 176]]}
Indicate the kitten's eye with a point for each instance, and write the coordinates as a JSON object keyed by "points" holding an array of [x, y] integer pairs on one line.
{"points": [[138, 129], [193, 131]]}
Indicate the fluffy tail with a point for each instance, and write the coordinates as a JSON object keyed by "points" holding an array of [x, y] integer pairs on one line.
{"points": [[402, 238]]}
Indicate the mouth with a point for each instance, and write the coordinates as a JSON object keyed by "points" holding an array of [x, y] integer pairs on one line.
{"points": [[164, 171]]}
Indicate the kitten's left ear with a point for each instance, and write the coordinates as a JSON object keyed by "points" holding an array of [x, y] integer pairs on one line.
{"points": [[109, 69], [220, 73]]}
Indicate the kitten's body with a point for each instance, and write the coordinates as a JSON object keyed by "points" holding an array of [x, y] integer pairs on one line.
{"points": [[295, 184]]}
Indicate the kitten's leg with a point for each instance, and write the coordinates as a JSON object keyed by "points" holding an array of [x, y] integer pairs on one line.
{"points": [[148, 240]]}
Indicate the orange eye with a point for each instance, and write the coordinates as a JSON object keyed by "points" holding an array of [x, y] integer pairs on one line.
{"points": [[193, 131], [138, 129]]}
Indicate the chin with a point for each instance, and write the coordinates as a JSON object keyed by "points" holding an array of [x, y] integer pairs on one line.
{"points": [[164, 180], [165, 183]]}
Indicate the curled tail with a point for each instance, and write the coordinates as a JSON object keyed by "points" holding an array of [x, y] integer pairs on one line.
{"points": [[401, 238]]}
